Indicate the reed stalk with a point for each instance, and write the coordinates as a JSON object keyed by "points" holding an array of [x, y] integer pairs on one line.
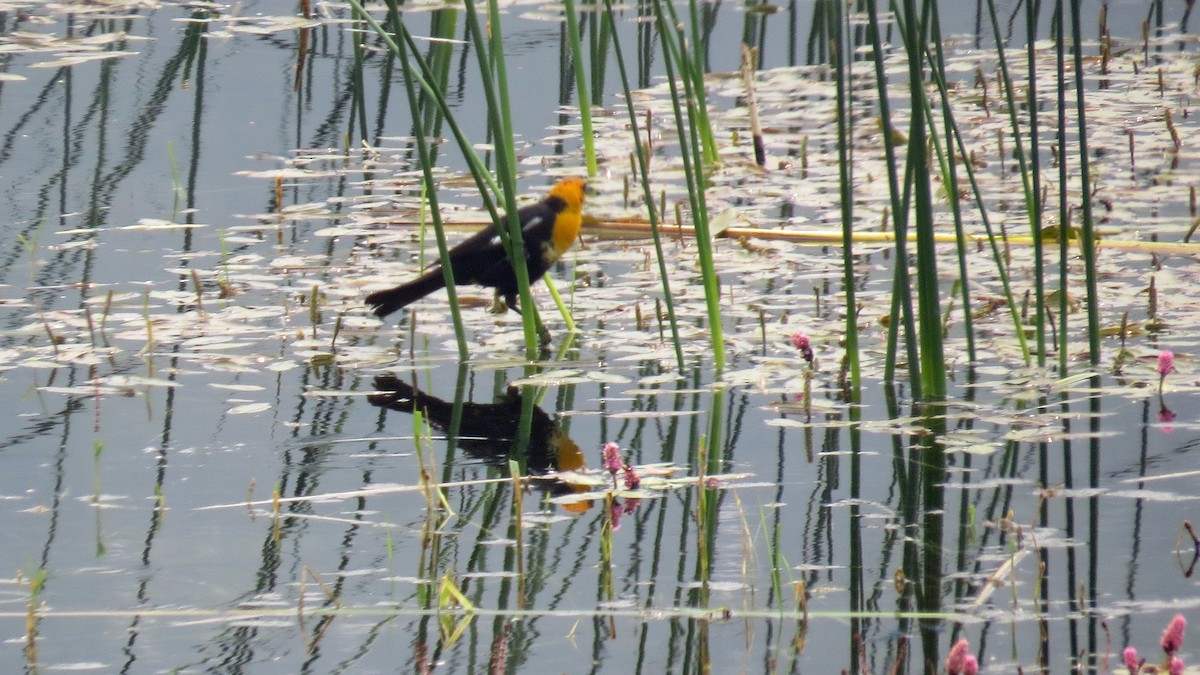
{"points": [[692, 67], [494, 76], [932, 365], [358, 102], [643, 163], [431, 196], [599, 41], [840, 50], [949, 164], [674, 55], [1064, 210], [442, 26], [1033, 10], [901, 303], [1028, 175], [581, 89], [989, 236], [1087, 233]]}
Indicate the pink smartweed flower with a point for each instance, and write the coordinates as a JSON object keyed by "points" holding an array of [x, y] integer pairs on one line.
{"points": [[632, 480], [1166, 363], [1172, 637], [956, 660], [612, 458], [800, 341], [1131, 660], [1176, 666], [970, 665]]}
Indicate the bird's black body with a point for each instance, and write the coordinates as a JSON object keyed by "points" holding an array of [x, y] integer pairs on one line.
{"points": [[481, 259]]}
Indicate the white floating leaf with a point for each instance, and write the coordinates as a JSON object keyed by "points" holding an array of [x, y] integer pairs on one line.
{"points": [[236, 387], [77, 59], [154, 224], [248, 408]]}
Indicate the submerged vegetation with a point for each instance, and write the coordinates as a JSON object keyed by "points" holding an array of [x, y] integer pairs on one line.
{"points": [[852, 346]]}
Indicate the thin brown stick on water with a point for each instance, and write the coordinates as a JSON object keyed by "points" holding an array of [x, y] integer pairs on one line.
{"points": [[749, 66]]}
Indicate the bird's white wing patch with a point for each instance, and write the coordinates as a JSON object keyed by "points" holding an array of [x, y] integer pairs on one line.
{"points": [[533, 222], [494, 241]]}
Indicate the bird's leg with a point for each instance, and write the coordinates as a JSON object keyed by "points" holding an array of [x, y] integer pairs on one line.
{"points": [[499, 305], [511, 301]]}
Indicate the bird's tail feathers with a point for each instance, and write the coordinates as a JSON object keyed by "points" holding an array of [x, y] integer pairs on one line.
{"points": [[390, 300]]}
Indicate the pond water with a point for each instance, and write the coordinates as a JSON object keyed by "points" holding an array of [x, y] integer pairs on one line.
{"points": [[201, 472]]}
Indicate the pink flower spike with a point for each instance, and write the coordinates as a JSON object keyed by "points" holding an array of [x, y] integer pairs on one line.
{"points": [[970, 665], [956, 660], [1172, 637], [800, 341], [1166, 363], [612, 458], [1176, 666], [1131, 660], [632, 480]]}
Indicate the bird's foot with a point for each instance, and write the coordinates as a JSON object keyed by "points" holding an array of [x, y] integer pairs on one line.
{"points": [[498, 306]]}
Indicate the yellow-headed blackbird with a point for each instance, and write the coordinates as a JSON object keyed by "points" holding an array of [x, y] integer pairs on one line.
{"points": [[548, 229]]}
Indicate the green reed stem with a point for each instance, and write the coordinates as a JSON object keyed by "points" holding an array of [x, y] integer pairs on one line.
{"points": [[949, 166], [358, 102], [479, 171], [562, 306], [443, 24], [997, 255], [435, 212], [1033, 10], [1087, 235], [1032, 202], [840, 49], [506, 165], [901, 294], [600, 40], [693, 171], [581, 88], [696, 70], [647, 195], [1064, 210], [932, 360]]}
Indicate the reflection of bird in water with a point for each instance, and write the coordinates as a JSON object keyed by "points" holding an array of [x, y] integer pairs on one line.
{"points": [[489, 430]]}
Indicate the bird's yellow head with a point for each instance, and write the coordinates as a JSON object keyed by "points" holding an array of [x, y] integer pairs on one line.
{"points": [[572, 192]]}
